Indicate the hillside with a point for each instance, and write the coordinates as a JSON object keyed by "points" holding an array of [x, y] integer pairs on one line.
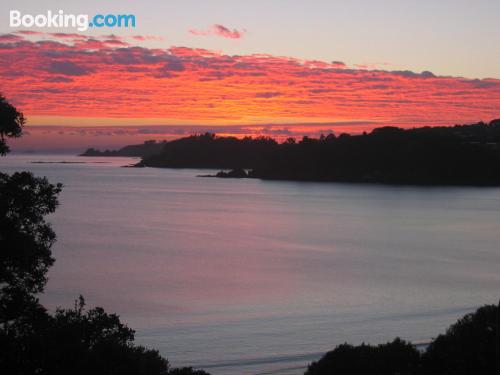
{"points": [[455, 155], [145, 149]]}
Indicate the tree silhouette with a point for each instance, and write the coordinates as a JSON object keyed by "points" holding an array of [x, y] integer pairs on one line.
{"points": [[187, 371], [25, 237], [467, 347], [25, 240], [395, 358], [11, 123]]}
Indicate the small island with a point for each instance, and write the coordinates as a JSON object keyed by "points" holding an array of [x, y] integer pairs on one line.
{"points": [[233, 173]]}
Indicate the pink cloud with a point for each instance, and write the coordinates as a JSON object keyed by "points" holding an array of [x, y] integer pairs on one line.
{"points": [[51, 35], [227, 33], [10, 38], [219, 30], [143, 38], [67, 36], [29, 32]]}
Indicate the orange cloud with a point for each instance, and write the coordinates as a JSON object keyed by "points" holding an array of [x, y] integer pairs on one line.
{"points": [[107, 78]]}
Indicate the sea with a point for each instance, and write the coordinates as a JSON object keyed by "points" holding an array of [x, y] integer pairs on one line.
{"points": [[252, 277]]}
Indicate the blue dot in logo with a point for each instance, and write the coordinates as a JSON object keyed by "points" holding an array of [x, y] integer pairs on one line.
{"points": [[91, 24]]}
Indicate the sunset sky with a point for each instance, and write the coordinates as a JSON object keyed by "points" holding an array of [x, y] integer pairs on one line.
{"points": [[279, 68]]}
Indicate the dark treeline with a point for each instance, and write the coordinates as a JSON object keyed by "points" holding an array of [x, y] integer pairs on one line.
{"points": [[209, 151], [467, 348], [145, 149], [458, 155]]}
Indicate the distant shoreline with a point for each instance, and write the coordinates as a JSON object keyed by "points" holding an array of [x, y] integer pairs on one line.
{"points": [[460, 155]]}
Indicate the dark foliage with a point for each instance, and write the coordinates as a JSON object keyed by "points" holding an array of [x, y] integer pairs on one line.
{"points": [[24, 201], [11, 123], [79, 342], [467, 347], [459, 155], [187, 371], [76, 342], [25, 239], [209, 151], [394, 358]]}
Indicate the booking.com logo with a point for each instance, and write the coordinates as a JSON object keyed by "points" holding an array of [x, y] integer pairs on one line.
{"points": [[79, 21]]}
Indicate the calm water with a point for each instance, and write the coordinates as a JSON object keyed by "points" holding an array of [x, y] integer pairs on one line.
{"points": [[255, 277]]}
